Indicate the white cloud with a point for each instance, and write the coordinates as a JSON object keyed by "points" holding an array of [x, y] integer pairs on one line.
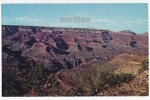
{"points": [[22, 18], [142, 21], [120, 23], [99, 23], [105, 21]]}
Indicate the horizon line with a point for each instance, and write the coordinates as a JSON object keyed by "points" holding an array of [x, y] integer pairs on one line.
{"points": [[73, 28]]}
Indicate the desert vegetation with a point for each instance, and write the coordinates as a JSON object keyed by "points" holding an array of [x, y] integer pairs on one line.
{"points": [[34, 80]]}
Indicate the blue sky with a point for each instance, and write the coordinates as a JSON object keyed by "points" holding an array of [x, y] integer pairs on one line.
{"points": [[115, 17]]}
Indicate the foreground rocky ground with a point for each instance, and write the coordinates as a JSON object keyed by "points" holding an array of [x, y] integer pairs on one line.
{"points": [[137, 87]]}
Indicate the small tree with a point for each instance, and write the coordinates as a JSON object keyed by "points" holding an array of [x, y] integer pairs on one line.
{"points": [[32, 76]]}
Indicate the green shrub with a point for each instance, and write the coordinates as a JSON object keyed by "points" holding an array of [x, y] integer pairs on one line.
{"points": [[114, 79], [32, 77], [95, 82], [145, 64]]}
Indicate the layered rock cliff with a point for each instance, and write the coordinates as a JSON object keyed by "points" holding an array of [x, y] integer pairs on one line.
{"points": [[66, 48]]}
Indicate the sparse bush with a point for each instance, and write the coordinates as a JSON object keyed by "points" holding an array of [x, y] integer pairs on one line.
{"points": [[80, 91], [145, 64], [96, 81], [32, 77], [114, 79]]}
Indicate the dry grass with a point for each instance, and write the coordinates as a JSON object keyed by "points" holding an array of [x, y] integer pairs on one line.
{"points": [[127, 64]]}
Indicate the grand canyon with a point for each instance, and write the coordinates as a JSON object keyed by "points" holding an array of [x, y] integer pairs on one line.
{"points": [[56, 61]]}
